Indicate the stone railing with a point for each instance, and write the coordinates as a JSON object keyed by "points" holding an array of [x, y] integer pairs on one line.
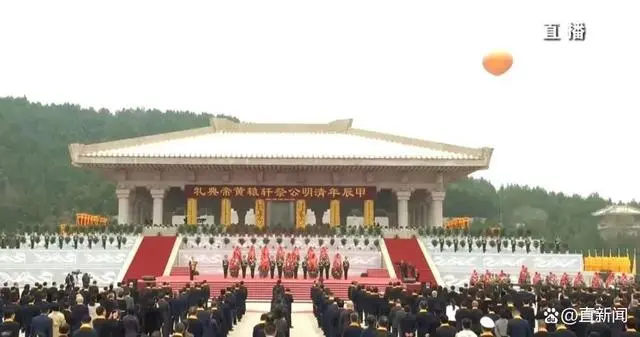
{"points": [[67, 242], [342, 243]]}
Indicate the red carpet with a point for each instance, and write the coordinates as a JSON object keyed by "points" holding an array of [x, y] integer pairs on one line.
{"points": [[409, 251], [151, 257], [260, 289]]}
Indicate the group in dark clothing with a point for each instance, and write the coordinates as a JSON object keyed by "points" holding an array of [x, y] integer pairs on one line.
{"points": [[498, 310], [120, 311]]}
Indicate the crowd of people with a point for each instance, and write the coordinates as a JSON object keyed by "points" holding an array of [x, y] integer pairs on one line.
{"points": [[496, 310], [52, 310]]}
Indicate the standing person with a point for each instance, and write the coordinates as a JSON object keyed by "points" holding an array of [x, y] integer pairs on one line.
{"points": [[225, 265], [193, 271], [252, 267], [41, 325], [243, 265], [345, 267], [57, 319], [354, 329], [466, 329], [304, 268]]}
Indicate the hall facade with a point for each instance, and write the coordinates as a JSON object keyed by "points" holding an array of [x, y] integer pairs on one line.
{"points": [[280, 174]]}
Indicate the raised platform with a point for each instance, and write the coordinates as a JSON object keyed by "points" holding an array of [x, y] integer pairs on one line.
{"points": [[261, 288]]}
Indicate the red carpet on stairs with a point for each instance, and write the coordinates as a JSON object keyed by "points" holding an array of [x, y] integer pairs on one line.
{"points": [[151, 257], [409, 251]]}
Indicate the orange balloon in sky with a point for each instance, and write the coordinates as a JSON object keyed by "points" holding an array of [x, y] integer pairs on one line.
{"points": [[497, 63]]}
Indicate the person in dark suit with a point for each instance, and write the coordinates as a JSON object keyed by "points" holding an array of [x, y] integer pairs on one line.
{"points": [[518, 327], [178, 331], [41, 325], [258, 329], [194, 325], [528, 313], [345, 267], [353, 329], [304, 268], [370, 331], [131, 324], [445, 330], [99, 322], [630, 328], [408, 323], [78, 312], [243, 265], [272, 266], [225, 266], [113, 326], [383, 327], [85, 329], [280, 266], [426, 322], [562, 331], [542, 329], [9, 327]]}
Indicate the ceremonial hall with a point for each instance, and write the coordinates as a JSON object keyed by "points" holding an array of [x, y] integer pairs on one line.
{"points": [[280, 175]]}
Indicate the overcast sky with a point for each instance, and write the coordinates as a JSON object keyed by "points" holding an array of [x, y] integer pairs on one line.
{"points": [[565, 116]]}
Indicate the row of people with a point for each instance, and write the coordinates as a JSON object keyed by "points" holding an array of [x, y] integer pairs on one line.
{"points": [[120, 311]]}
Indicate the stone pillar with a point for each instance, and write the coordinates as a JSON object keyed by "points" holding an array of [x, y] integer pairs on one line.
{"points": [[403, 208], [123, 205], [158, 203], [436, 208]]}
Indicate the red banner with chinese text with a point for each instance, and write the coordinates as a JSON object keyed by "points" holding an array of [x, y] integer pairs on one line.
{"points": [[281, 192]]}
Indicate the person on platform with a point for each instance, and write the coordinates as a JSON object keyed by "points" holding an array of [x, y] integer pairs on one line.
{"points": [[193, 265], [243, 265], [252, 267], [280, 265], [272, 266], [225, 265], [296, 265], [304, 268], [345, 267]]}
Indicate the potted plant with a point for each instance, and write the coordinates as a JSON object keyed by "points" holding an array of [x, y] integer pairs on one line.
{"points": [[111, 239], [242, 241], [343, 241], [279, 240], [448, 242], [185, 240], [376, 242], [332, 241], [292, 241], [320, 242], [265, 241], [492, 243], [211, 240], [198, 240], [505, 243], [478, 243], [366, 241], [81, 239], [356, 242], [520, 244], [434, 242], [306, 241]]}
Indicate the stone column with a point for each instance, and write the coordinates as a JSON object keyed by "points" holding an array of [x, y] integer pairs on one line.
{"points": [[403, 208], [123, 205], [436, 208], [158, 203]]}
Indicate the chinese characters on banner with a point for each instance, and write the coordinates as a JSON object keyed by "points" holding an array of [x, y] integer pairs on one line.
{"points": [[575, 32], [281, 192]]}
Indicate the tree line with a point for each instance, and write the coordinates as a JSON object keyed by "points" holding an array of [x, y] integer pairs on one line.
{"points": [[38, 185]]}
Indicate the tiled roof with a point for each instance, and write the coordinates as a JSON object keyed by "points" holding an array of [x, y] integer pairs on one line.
{"points": [[617, 209], [229, 140], [279, 145]]}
